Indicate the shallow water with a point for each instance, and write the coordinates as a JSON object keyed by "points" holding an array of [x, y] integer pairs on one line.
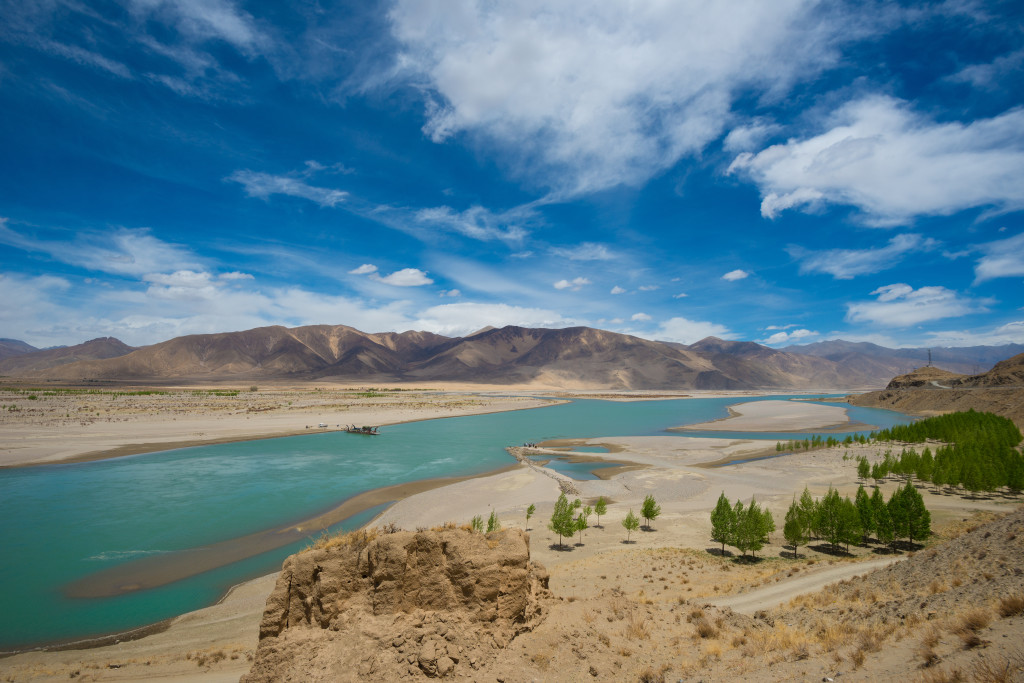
{"points": [[63, 522]]}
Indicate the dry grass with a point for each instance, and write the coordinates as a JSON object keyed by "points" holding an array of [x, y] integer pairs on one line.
{"points": [[705, 629], [992, 669], [1011, 606], [354, 539], [651, 675], [951, 675], [974, 620], [637, 628]]}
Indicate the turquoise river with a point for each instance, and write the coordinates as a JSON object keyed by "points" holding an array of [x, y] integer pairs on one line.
{"points": [[62, 523]]}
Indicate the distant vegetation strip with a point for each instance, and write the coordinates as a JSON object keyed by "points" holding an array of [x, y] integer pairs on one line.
{"points": [[979, 452]]}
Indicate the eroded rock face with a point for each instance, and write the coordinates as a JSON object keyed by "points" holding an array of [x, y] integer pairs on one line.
{"points": [[432, 603]]}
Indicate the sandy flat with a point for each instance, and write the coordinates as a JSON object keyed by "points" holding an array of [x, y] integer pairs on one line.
{"points": [[775, 416]]}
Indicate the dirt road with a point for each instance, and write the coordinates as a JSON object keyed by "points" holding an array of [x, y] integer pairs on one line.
{"points": [[783, 591]]}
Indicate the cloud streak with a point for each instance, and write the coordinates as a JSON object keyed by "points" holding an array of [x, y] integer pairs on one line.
{"points": [[845, 264]]}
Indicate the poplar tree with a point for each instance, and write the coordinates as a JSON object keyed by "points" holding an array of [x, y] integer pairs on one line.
{"points": [[650, 510], [529, 513], [492, 522], [865, 511], [723, 522], [562, 521], [631, 523], [600, 508], [794, 529]]}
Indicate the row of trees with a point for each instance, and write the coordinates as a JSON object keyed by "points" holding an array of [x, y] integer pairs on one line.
{"points": [[570, 518], [817, 441], [980, 453], [744, 528], [842, 521]]}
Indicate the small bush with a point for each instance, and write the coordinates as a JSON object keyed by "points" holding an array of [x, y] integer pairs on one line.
{"points": [[705, 629], [1011, 606], [974, 620]]}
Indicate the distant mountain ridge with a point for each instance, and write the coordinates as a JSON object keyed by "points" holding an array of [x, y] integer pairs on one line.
{"points": [[879, 360], [14, 347], [574, 357]]}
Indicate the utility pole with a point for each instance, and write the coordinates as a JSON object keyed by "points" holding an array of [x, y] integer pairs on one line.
{"points": [[929, 357]]}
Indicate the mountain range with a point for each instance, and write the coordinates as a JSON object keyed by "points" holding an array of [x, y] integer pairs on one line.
{"points": [[575, 357]]}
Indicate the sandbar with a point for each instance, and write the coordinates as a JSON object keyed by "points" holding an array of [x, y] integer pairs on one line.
{"points": [[775, 416]]}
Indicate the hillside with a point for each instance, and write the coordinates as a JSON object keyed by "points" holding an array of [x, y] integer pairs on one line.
{"points": [[14, 347], [880, 361], [38, 361], [929, 391]]}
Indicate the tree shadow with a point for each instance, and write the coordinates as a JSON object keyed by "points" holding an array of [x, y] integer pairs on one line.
{"points": [[793, 554], [560, 548], [647, 528], [885, 550], [747, 559], [829, 549], [718, 551], [628, 542]]}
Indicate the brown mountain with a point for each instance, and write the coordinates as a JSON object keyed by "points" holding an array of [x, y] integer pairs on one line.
{"points": [[766, 367], [930, 391], [575, 357], [14, 347], [38, 361], [882, 362]]}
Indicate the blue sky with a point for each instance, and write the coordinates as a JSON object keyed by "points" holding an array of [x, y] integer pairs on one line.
{"points": [[782, 172]]}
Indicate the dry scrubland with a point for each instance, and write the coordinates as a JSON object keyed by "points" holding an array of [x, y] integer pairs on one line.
{"points": [[662, 608]]}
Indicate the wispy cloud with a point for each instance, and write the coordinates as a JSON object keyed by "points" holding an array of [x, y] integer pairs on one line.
{"points": [[264, 185], [1007, 333], [464, 318], [585, 251], [845, 264], [1002, 258], [618, 290], [406, 277], [575, 284], [894, 164], [900, 305], [784, 337], [480, 223]]}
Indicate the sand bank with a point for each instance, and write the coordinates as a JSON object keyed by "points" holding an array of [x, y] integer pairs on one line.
{"points": [[775, 416], [76, 427]]}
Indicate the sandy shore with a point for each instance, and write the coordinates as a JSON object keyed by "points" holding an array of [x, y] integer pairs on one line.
{"points": [[775, 416], [75, 425], [214, 643]]}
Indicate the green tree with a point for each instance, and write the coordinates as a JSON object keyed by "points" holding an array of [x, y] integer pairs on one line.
{"points": [[650, 510], [850, 530], [808, 512], [529, 513], [920, 525], [562, 521], [794, 528], [477, 523], [829, 518], [863, 469], [492, 522], [880, 515], [631, 523], [600, 508], [899, 512], [723, 522], [865, 511], [587, 511]]}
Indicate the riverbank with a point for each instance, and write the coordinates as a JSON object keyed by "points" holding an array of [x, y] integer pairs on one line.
{"points": [[776, 416], [64, 425]]}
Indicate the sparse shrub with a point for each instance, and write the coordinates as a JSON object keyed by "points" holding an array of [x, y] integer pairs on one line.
{"points": [[974, 620], [997, 670], [651, 675], [637, 629], [705, 629], [1011, 606], [952, 675], [477, 524]]}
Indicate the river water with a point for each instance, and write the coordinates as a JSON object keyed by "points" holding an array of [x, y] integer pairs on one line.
{"points": [[60, 523]]}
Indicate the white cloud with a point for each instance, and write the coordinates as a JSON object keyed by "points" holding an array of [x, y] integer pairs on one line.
{"points": [[648, 288], [406, 277], [464, 318], [894, 164], [575, 284], [481, 223], [1009, 333], [364, 269], [845, 264], [263, 185], [680, 295], [123, 251], [734, 275], [451, 293], [780, 327], [749, 137], [780, 337], [992, 75], [235, 275], [591, 96], [687, 331], [900, 305], [618, 290], [640, 317], [1003, 258], [585, 251], [206, 19]]}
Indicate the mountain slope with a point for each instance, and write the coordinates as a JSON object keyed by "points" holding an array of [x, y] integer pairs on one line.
{"points": [[930, 391], [879, 361], [14, 347], [37, 361]]}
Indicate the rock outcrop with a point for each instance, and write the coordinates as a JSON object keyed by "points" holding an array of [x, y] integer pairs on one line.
{"points": [[432, 603]]}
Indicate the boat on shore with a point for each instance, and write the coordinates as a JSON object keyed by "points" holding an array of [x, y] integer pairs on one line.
{"points": [[369, 431]]}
